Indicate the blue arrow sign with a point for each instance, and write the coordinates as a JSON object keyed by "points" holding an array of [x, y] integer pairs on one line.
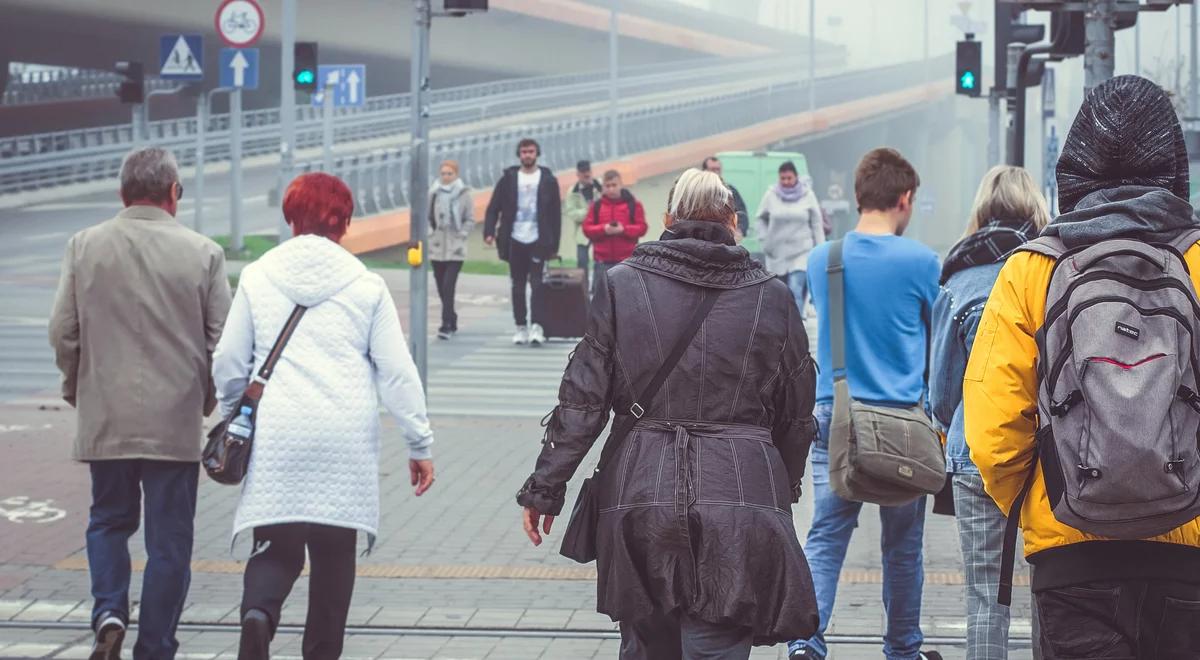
{"points": [[239, 68], [346, 82], [181, 57]]}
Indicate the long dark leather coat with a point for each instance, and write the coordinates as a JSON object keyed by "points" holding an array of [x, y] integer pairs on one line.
{"points": [[696, 506]]}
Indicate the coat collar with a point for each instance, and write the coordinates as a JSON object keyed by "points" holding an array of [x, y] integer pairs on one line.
{"points": [[701, 253], [141, 212]]}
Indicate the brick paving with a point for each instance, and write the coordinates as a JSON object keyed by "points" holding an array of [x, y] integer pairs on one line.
{"points": [[455, 558]]}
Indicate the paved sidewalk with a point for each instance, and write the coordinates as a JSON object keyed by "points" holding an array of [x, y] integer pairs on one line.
{"points": [[455, 558]]}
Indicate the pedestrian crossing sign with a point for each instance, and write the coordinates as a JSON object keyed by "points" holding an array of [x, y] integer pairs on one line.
{"points": [[181, 57]]}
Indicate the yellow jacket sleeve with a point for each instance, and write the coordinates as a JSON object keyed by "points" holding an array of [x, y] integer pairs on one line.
{"points": [[1000, 383]]}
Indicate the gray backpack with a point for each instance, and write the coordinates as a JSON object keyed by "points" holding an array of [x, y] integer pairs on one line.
{"points": [[1118, 409], [878, 454]]}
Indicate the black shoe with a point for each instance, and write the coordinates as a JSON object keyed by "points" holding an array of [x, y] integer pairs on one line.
{"points": [[805, 653], [256, 636], [444, 334], [110, 632], [929, 655]]}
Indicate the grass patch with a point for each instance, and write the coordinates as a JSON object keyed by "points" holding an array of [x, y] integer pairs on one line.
{"points": [[255, 247]]}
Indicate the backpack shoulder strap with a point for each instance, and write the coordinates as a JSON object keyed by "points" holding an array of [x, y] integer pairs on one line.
{"points": [[1047, 246], [1186, 240], [596, 210]]}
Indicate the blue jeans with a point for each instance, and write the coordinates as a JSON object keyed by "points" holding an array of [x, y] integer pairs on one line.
{"points": [[834, 520], [170, 490], [797, 281]]}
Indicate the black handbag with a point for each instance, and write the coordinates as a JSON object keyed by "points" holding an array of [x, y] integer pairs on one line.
{"points": [[226, 457], [579, 539]]}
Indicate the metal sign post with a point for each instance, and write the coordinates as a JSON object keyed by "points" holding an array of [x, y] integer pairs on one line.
{"points": [[327, 128], [236, 239], [419, 186], [201, 128]]}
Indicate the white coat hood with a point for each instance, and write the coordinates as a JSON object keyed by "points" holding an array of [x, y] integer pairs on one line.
{"points": [[310, 269]]}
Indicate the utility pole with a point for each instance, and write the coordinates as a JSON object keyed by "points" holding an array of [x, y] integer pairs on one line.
{"points": [[1137, 49], [287, 107], [419, 189], [614, 112], [1098, 57], [1015, 134], [201, 129], [1179, 50], [812, 55], [925, 46]]}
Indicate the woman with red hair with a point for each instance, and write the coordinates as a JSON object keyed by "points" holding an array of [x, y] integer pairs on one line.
{"points": [[313, 482]]}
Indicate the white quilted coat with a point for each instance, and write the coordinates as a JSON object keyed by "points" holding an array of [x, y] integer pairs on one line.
{"points": [[316, 444]]}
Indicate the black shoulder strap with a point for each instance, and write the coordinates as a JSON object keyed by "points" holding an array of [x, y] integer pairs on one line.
{"points": [[285, 334], [1008, 550], [596, 210], [625, 423]]}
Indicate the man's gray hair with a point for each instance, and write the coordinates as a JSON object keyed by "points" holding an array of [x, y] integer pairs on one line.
{"points": [[148, 174]]}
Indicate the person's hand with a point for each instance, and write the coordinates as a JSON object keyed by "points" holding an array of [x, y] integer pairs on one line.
{"points": [[489, 240], [422, 475], [613, 230], [531, 516]]}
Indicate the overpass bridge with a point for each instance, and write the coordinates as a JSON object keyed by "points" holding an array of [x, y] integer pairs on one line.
{"points": [[516, 38]]}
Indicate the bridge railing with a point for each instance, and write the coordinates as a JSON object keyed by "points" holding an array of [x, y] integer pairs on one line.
{"points": [[379, 178], [50, 159], [52, 85]]}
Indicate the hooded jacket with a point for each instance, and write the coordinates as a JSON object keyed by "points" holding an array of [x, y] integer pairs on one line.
{"points": [[615, 248], [502, 213], [316, 443], [696, 511], [1106, 195]]}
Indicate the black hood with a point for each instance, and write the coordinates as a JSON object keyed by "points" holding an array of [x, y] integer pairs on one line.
{"points": [[702, 253], [1126, 134]]}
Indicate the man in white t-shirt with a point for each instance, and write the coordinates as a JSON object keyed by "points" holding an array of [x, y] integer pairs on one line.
{"points": [[524, 221]]}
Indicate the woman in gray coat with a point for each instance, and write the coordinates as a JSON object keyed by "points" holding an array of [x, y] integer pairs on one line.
{"points": [[789, 227], [451, 219]]}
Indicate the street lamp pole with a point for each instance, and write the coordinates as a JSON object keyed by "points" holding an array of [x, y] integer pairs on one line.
{"points": [[419, 189], [812, 55], [614, 45], [287, 106]]}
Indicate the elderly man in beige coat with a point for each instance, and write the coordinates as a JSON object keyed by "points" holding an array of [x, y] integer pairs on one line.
{"points": [[140, 307]]}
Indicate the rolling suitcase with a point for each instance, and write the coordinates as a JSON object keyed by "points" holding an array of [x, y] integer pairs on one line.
{"points": [[562, 307]]}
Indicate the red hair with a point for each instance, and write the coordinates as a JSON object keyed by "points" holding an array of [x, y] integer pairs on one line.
{"points": [[320, 204]]}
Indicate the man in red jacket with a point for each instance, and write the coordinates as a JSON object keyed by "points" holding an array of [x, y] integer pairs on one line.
{"points": [[614, 224]]}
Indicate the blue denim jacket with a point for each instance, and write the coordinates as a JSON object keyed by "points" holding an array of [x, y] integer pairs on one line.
{"points": [[956, 317]]}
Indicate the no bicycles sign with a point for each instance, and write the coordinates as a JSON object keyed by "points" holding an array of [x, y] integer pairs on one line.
{"points": [[240, 22]]}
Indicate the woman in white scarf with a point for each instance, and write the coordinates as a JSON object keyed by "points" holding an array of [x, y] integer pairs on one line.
{"points": [[451, 219]]}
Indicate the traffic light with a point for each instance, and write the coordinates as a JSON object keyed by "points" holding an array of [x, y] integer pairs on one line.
{"points": [[968, 66], [304, 71], [133, 88]]}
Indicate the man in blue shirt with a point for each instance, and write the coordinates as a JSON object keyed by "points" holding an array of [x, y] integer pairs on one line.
{"points": [[891, 283]]}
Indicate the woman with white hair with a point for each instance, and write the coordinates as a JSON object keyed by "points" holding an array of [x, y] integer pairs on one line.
{"points": [[1009, 211], [701, 354]]}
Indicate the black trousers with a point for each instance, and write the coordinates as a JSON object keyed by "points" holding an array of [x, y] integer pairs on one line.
{"points": [[271, 573], [1142, 619], [445, 274], [525, 269], [679, 637]]}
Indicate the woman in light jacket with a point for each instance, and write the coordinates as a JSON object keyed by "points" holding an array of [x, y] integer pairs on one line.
{"points": [[1009, 211], [451, 219], [789, 226], [313, 481]]}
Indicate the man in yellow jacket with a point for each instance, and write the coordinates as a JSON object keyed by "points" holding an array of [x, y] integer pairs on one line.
{"points": [[1123, 173]]}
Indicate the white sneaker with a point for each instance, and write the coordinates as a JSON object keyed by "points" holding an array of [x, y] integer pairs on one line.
{"points": [[522, 335], [109, 634], [537, 336]]}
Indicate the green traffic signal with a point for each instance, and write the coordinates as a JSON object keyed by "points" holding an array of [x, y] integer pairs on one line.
{"points": [[305, 77], [967, 81]]}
